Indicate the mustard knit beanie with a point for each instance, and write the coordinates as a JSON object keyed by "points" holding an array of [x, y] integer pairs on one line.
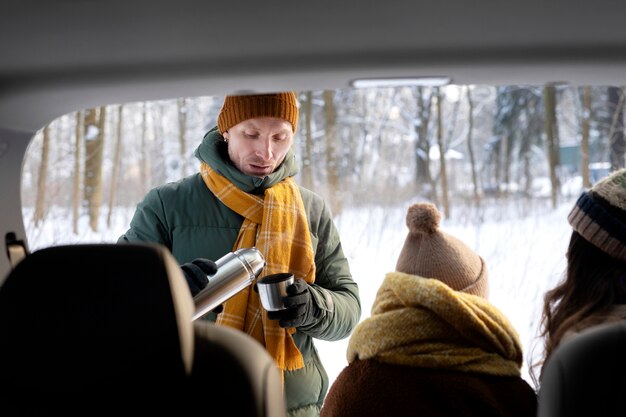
{"points": [[430, 253], [599, 215], [236, 109]]}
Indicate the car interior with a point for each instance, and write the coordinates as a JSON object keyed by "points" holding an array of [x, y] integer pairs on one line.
{"points": [[67, 55], [92, 337], [570, 382]]}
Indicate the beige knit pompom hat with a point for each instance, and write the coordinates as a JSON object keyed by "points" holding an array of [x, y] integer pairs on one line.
{"points": [[430, 253]]}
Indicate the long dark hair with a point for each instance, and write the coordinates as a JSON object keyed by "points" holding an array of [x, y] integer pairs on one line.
{"points": [[593, 283]]}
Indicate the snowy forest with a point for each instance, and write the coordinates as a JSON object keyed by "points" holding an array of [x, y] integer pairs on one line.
{"points": [[503, 163], [356, 147]]}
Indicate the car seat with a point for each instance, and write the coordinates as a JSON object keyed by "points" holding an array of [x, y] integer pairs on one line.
{"points": [[586, 375], [103, 329]]}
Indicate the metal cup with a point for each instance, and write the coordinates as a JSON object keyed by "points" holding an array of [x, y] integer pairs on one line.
{"points": [[272, 288]]}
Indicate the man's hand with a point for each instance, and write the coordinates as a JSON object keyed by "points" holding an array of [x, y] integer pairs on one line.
{"points": [[300, 308], [196, 273]]}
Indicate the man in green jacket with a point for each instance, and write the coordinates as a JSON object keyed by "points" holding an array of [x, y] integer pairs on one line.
{"points": [[244, 196]]}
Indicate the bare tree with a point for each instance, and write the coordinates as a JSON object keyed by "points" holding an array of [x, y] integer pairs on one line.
{"points": [[307, 157], [144, 162], [443, 173], [78, 140], [617, 143], [42, 178], [584, 140], [94, 151], [551, 129], [332, 164], [117, 157], [160, 169], [470, 147], [422, 145], [183, 111]]}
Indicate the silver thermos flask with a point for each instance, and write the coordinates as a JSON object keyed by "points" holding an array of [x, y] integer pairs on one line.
{"points": [[235, 271]]}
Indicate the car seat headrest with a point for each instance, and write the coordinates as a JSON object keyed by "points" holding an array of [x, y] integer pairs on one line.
{"points": [[119, 311]]}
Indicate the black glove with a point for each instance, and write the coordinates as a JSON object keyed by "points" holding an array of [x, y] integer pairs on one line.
{"points": [[300, 309], [196, 273]]}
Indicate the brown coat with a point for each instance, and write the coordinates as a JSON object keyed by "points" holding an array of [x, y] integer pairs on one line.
{"points": [[428, 350], [370, 388]]}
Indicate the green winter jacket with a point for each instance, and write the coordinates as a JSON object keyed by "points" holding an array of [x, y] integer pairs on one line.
{"points": [[193, 223]]}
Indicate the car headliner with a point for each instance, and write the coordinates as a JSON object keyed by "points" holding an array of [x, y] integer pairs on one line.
{"points": [[61, 56]]}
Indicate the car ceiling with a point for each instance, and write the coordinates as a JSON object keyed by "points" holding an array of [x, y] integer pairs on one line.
{"points": [[61, 56]]}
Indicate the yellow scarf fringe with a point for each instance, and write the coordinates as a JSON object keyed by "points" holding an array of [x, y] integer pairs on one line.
{"points": [[422, 322], [277, 225]]}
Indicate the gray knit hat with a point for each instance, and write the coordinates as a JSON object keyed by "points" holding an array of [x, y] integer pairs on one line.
{"points": [[599, 215], [431, 253]]}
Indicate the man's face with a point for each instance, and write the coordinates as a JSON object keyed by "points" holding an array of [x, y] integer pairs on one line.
{"points": [[258, 146]]}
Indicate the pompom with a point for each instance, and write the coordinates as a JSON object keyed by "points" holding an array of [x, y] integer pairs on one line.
{"points": [[423, 218]]}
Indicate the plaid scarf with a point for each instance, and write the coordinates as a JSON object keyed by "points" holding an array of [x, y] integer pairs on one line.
{"points": [[276, 225], [424, 323]]}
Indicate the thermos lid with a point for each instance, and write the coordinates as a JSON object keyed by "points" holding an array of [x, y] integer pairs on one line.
{"points": [[253, 260]]}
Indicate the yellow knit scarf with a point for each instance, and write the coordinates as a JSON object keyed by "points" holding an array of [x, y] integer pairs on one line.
{"points": [[276, 224], [422, 322]]}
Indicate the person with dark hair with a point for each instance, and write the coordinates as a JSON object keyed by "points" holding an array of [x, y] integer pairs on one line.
{"points": [[433, 345], [593, 289], [245, 196]]}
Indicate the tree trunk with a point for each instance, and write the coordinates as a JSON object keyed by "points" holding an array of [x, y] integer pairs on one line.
{"points": [[330, 117], [443, 175], [42, 178], [144, 164], [470, 147], [422, 145], [307, 158], [159, 172], [94, 150], [78, 140], [549, 94], [506, 166], [182, 135], [584, 140], [617, 143], [117, 157]]}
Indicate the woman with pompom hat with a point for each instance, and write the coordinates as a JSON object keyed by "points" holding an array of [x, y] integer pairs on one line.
{"points": [[433, 345]]}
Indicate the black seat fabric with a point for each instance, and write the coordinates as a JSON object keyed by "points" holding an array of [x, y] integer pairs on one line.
{"points": [[90, 313], [586, 375], [110, 326]]}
